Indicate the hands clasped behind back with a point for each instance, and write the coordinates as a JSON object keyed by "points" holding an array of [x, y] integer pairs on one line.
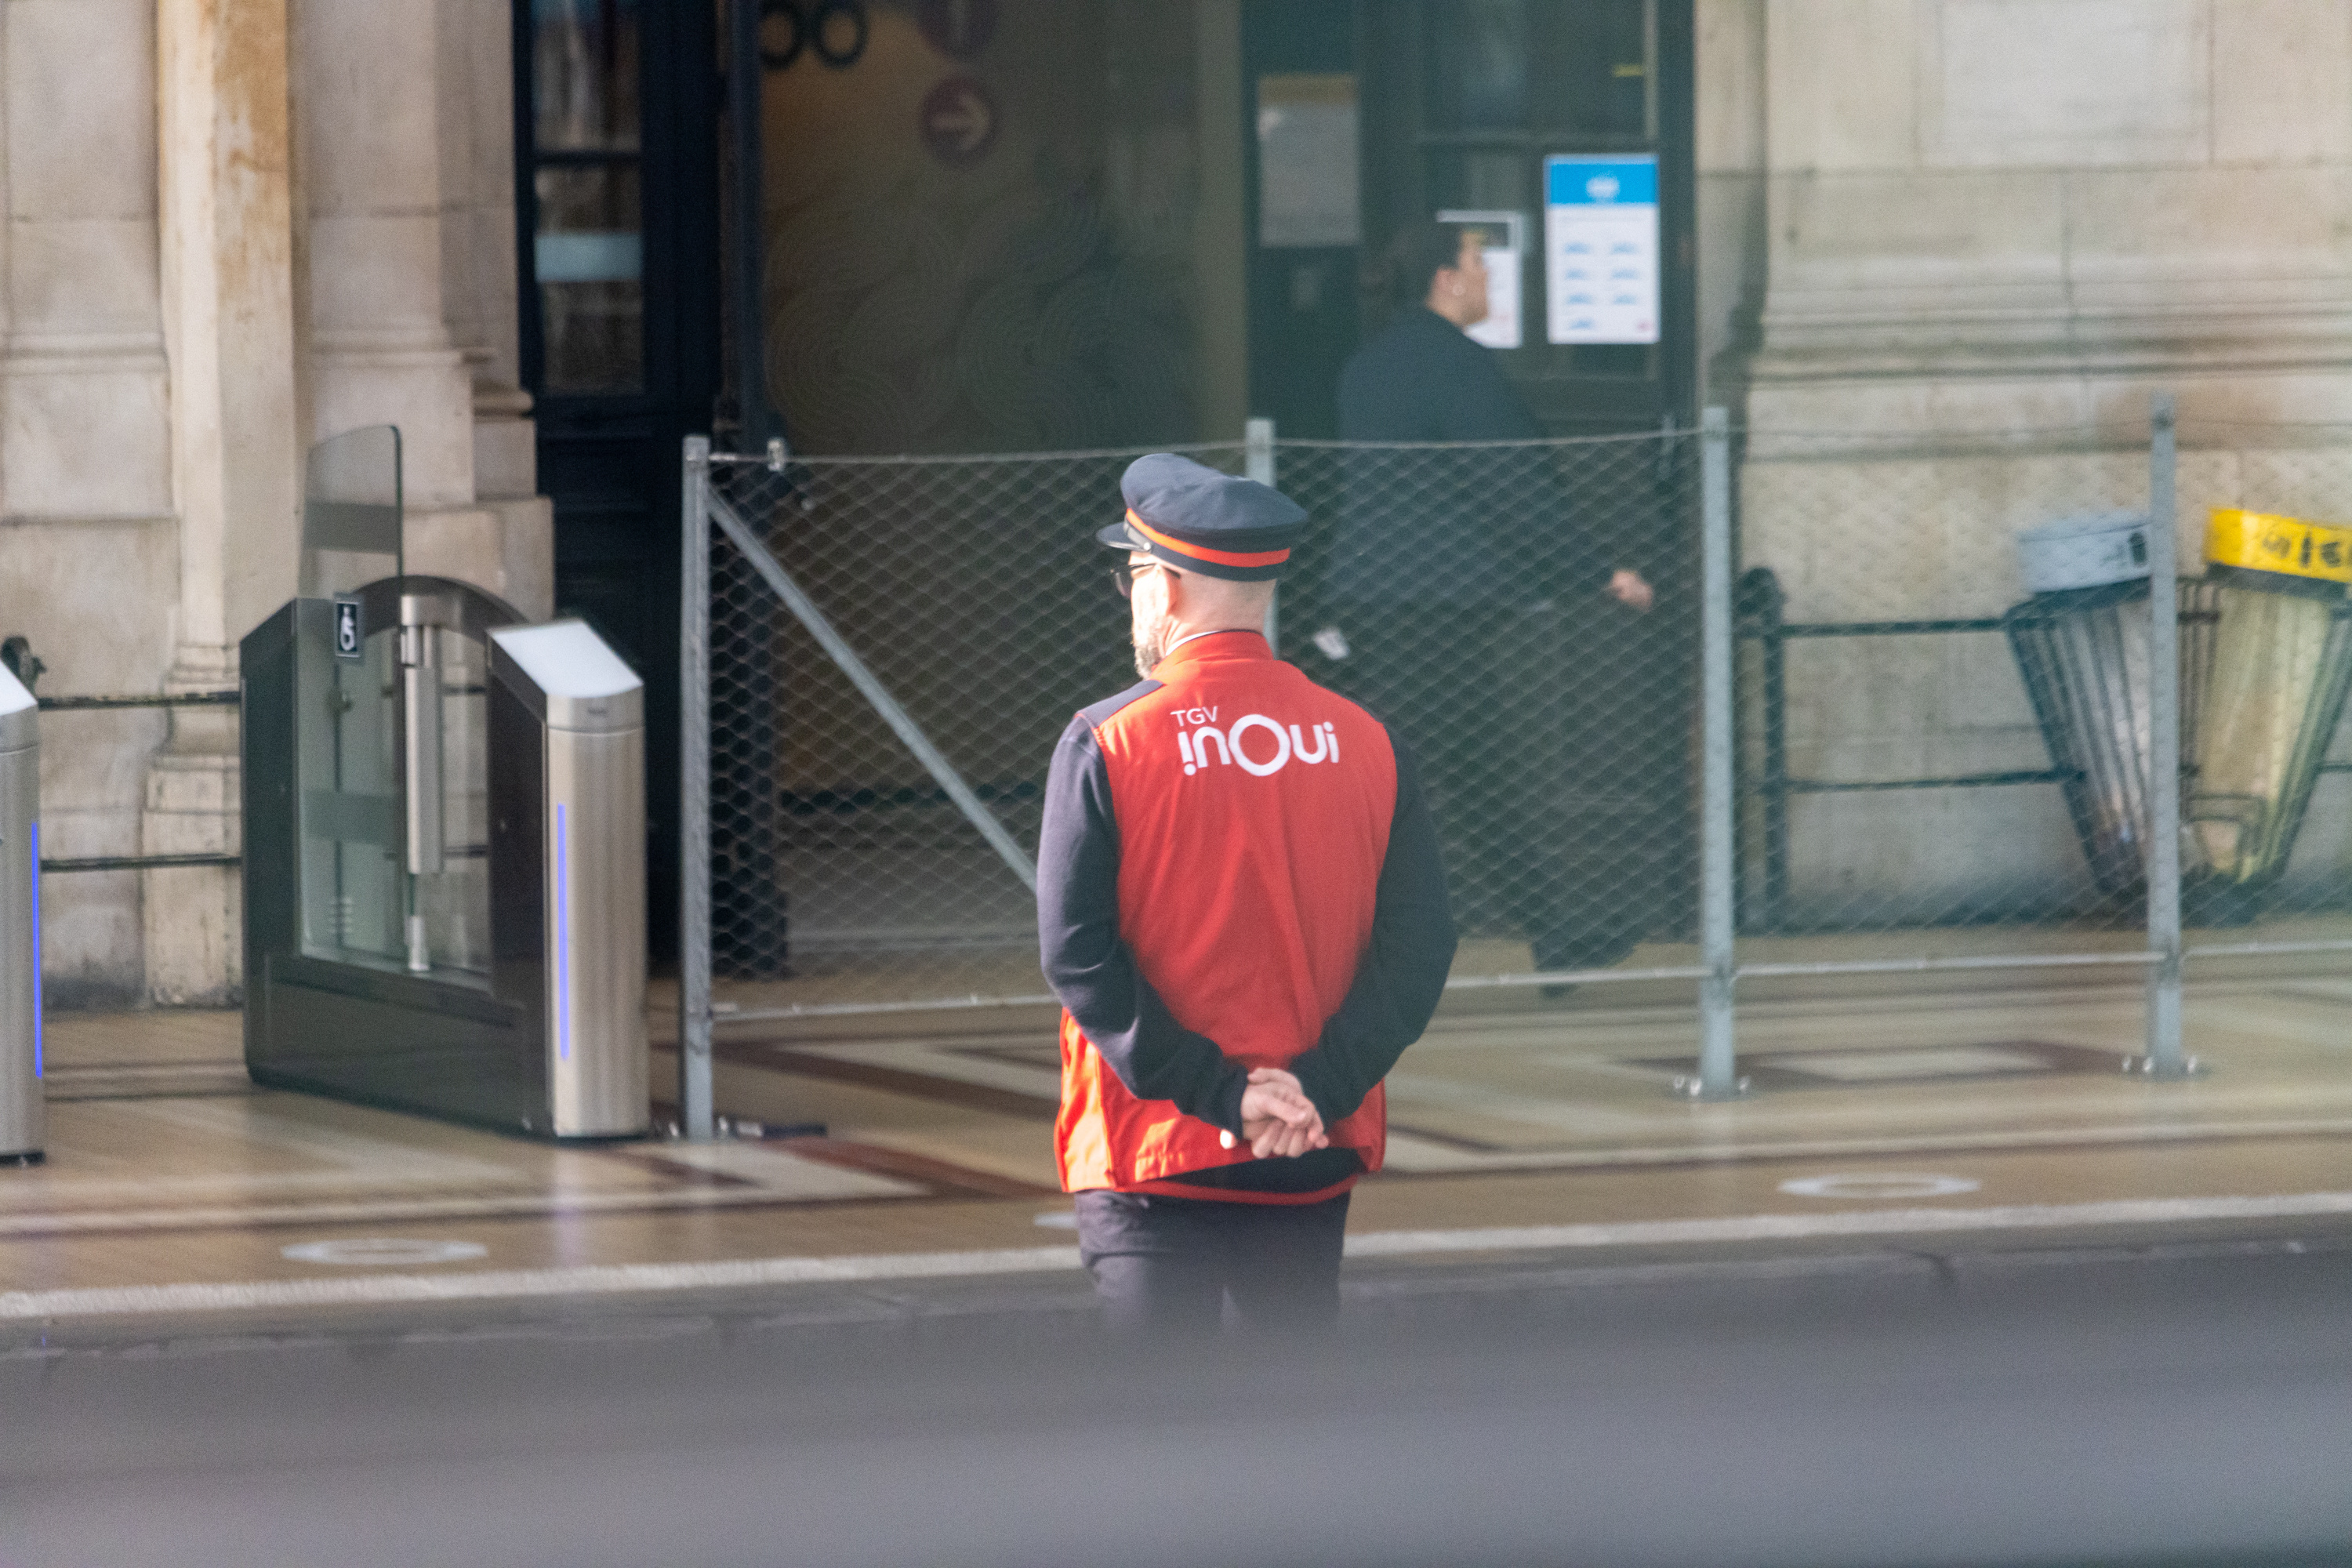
{"points": [[1278, 1118]]}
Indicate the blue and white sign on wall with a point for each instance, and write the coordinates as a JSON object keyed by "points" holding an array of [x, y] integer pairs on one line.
{"points": [[1601, 248]]}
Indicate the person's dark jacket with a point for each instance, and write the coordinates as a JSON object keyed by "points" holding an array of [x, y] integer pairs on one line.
{"points": [[1481, 526]]}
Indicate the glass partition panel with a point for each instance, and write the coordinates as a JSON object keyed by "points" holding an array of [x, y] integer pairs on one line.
{"points": [[370, 895], [350, 512], [394, 762], [455, 903], [354, 891]]}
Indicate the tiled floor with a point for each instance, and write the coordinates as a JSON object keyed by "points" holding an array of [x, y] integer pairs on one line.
{"points": [[165, 1168]]}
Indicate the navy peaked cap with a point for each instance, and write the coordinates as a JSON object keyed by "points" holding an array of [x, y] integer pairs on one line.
{"points": [[1198, 519]]}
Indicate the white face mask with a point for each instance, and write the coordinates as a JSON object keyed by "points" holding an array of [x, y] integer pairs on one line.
{"points": [[1151, 620]]}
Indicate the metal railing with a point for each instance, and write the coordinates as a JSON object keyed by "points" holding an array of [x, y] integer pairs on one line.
{"points": [[25, 662], [879, 653]]}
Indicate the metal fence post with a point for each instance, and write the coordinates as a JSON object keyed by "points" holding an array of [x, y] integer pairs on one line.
{"points": [[1717, 1054], [2164, 1058], [1257, 463], [694, 1109]]}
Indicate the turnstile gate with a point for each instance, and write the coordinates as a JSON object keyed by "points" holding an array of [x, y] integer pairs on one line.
{"points": [[444, 840], [22, 1108]]}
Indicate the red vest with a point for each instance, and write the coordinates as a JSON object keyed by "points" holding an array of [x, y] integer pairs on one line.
{"points": [[1253, 809]]}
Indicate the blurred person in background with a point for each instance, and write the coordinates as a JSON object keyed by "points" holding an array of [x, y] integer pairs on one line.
{"points": [[1241, 907], [1443, 562]]}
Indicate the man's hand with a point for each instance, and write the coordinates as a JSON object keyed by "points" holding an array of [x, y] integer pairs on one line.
{"points": [[1629, 587], [1278, 1118]]}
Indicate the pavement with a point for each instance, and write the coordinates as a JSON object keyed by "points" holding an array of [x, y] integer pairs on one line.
{"points": [[2163, 1405], [1525, 1134]]}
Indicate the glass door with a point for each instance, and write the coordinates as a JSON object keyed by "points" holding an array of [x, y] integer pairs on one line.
{"points": [[1570, 125]]}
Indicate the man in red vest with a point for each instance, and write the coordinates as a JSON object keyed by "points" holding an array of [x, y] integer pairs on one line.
{"points": [[1241, 906]]}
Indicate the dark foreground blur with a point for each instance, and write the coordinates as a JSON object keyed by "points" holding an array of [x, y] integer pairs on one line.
{"points": [[2192, 1406]]}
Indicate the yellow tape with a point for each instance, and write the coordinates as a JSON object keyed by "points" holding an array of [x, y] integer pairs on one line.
{"points": [[2261, 542]]}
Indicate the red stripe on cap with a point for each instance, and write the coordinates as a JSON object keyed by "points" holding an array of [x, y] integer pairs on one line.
{"points": [[1201, 552]]}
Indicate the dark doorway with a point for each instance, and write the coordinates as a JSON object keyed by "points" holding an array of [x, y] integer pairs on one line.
{"points": [[617, 202], [1299, 70], [1466, 101]]}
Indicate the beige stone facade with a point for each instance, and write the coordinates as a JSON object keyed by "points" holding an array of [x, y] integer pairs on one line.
{"points": [[1965, 239], [233, 228], [1953, 247]]}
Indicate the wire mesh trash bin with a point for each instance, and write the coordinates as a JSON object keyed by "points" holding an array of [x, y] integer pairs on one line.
{"points": [[2282, 663], [21, 1108], [2081, 644]]}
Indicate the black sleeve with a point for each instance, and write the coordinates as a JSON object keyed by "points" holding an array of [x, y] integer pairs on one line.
{"points": [[1093, 971], [1403, 972], [1479, 402]]}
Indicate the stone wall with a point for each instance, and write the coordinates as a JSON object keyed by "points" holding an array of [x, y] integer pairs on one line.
{"points": [[233, 228], [1991, 230]]}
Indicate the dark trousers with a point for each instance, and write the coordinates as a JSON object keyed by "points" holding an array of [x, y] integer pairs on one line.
{"points": [[1532, 745], [1164, 1267]]}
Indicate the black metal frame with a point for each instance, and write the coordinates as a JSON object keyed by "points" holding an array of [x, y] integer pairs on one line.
{"points": [[1759, 619]]}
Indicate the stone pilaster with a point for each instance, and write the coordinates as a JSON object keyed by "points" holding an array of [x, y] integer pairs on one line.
{"points": [[405, 139], [380, 346], [228, 312], [86, 538]]}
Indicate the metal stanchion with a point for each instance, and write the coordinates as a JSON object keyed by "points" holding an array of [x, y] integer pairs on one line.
{"points": [[1257, 448], [21, 1106], [694, 1109], [2164, 1058], [1717, 1056]]}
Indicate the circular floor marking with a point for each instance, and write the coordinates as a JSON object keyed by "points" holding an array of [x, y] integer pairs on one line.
{"points": [[1060, 1219], [381, 1251], [1880, 1186]]}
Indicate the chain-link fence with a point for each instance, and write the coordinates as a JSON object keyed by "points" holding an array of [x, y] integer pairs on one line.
{"points": [[896, 644], [1897, 771], [1921, 725]]}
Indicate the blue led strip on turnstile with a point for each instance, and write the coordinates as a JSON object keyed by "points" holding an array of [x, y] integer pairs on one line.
{"points": [[562, 943], [36, 949]]}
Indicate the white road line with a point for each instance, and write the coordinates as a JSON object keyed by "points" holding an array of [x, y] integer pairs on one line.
{"points": [[626, 1279], [1859, 1222], [619, 1279]]}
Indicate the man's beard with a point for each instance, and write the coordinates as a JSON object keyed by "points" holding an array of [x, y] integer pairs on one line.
{"points": [[1151, 646]]}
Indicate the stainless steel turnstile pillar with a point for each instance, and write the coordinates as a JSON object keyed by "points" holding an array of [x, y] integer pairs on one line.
{"points": [[444, 844], [21, 1109], [568, 805]]}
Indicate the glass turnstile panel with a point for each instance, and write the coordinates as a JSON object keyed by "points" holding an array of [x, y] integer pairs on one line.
{"points": [[456, 901], [383, 883], [391, 752], [350, 512]]}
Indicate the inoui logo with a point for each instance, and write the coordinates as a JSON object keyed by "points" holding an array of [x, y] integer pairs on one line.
{"points": [[1236, 743], [1602, 187]]}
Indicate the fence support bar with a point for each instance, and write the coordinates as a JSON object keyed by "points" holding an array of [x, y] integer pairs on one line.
{"points": [[694, 1107], [1717, 1049], [1936, 965], [1257, 463], [2165, 1059], [804, 609]]}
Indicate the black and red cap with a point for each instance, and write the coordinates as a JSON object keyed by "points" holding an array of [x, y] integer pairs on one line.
{"points": [[1196, 518]]}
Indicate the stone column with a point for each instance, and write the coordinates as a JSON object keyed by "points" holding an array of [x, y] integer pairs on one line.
{"points": [[228, 319], [86, 536], [478, 288], [375, 91]]}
